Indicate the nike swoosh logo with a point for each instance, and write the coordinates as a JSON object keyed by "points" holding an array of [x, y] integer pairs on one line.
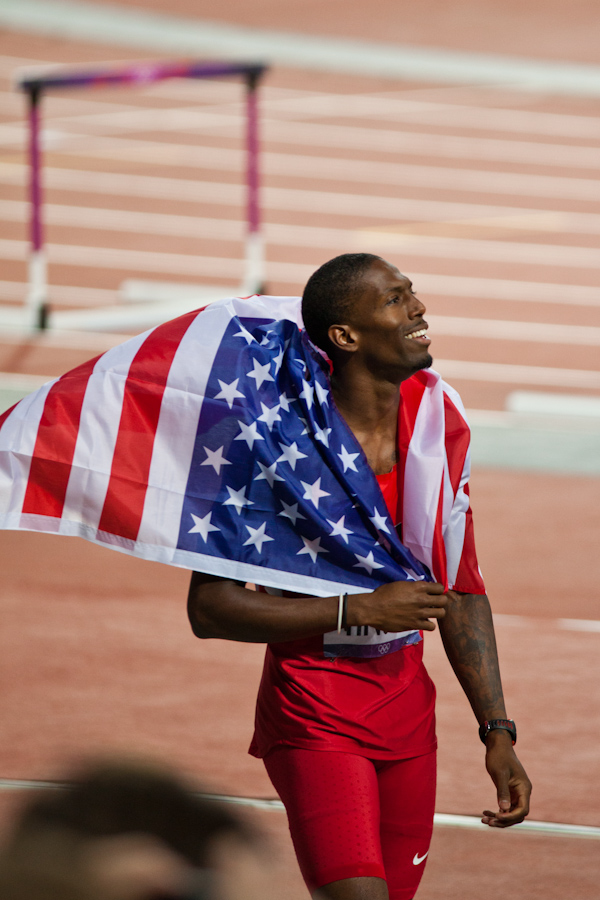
{"points": [[419, 859]]}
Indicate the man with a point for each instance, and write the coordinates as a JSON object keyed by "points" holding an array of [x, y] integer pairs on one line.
{"points": [[348, 740]]}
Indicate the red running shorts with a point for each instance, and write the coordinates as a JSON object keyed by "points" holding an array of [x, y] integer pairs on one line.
{"points": [[350, 816]]}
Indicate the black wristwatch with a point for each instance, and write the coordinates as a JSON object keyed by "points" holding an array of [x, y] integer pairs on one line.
{"points": [[493, 724]]}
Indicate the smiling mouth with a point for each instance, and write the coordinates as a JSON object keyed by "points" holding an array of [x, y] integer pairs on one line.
{"points": [[416, 334]]}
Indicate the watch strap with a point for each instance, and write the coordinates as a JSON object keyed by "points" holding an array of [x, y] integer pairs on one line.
{"points": [[495, 724]]}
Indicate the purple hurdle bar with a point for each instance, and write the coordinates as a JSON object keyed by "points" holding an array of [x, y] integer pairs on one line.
{"points": [[141, 73]]}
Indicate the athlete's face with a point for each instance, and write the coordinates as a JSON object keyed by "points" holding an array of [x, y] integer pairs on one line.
{"points": [[387, 326]]}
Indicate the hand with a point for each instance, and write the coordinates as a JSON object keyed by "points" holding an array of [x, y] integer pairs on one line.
{"points": [[400, 606], [509, 776]]}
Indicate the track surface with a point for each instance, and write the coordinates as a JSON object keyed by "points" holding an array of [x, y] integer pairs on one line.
{"points": [[491, 202]]}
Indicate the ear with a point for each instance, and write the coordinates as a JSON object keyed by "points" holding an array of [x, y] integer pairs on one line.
{"points": [[343, 337]]}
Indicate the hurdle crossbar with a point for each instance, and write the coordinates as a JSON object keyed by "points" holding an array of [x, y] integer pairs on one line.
{"points": [[35, 84]]}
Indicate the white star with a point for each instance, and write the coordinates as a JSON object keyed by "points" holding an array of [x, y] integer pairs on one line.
{"points": [[229, 392], [348, 459], [338, 528], [238, 499], [257, 537], [249, 434], [244, 334], [284, 402], [321, 393], [323, 435], [305, 423], [379, 522], [366, 562], [266, 340], [270, 416], [268, 474], [278, 360], [260, 373], [202, 526], [291, 512], [313, 548], [291, 454], [313, 492], [215, 459], [307, 393]]}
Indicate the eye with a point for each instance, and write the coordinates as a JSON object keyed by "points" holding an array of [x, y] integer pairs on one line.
{"points": [[393, 299]]}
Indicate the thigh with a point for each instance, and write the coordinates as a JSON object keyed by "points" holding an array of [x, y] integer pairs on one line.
{"points": [[407, 803], [332, 802]]}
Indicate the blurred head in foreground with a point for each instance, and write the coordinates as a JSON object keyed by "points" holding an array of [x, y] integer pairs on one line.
{"points": [[131, 831]]}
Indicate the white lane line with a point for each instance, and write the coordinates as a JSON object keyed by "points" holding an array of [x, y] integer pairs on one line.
{"points": [[504, 373], [557, 829], [474, 217], [592, 625], [399, 209], [195, 121], [115, 25]]}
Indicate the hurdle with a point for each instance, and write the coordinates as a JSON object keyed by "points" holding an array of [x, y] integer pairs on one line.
{"points": [[35, 84]]}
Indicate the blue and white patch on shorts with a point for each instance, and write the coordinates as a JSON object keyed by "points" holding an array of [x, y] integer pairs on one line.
{"points": [[366, 642]]}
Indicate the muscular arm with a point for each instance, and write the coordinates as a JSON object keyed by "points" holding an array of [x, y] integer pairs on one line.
{"points": [[218, 608], [467, 632]]}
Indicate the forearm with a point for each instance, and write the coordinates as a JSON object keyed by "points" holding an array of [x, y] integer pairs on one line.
{"points": [[227, 610], [467, 632]]}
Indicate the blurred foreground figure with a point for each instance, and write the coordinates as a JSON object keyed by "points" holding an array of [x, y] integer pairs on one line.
{"points": [[131, 831]]}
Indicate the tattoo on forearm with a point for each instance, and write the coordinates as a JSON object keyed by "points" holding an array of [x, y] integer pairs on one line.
{"points": [[468, 635]]}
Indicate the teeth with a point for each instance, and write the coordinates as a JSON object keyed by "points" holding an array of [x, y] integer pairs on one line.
{"points": [[416, 334]]}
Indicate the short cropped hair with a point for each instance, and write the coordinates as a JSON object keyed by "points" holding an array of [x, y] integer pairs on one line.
{"points": [[330, 292]]}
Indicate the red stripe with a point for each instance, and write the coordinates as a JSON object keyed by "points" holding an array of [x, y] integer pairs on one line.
{"points": [[468, 577], [55, 443], [457, 442], [438, 550], [144, 389], [7, 413]]}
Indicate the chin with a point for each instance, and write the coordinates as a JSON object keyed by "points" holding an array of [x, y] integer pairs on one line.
{"points": [[426, 363]]}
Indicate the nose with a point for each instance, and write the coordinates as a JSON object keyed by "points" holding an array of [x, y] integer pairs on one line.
{"points": [[416, 307]]}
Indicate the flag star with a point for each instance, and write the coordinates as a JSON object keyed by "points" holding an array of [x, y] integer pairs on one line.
{"points": [[291, 454], [257, 537], [308, 393], [321, 393], [215, 459], [268, 474], [313, 492], [243, 333], [322, 434], [278, 360], [305, 423], [367, 562], [291, 512], [261, 373], [313, 548], [229, 392], [269, 415], [348, 459], [249, 433], [379, 521], [284, 402], [338, 528], [237, 499], [266, 340], [202, 526]]}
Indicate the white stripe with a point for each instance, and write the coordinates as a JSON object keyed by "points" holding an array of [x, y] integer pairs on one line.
{"points": [[179, 414], [424, 472], [96, 438], [454, 519], [17, 442]]}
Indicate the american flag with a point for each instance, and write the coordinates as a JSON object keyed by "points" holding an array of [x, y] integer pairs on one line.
{"points": [[212, 442]]}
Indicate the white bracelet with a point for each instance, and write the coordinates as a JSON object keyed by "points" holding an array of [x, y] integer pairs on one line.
{"points": [[340, 613]]}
